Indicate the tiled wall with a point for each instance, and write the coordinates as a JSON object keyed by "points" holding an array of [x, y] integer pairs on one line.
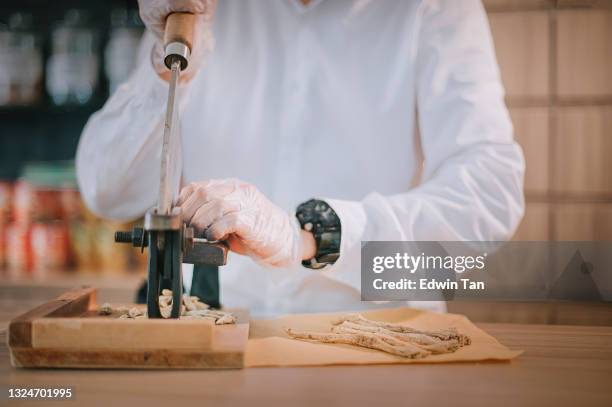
{"points": [[556, 63]]}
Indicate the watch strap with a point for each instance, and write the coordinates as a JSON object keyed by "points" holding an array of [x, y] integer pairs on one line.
{"points": [[317, 217]]}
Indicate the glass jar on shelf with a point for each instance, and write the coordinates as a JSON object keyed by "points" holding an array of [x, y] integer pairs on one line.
{"points": [[122, 47], [21, 64], [73, 66]]}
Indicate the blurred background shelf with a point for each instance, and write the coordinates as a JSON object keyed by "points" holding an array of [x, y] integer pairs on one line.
{"points": [[58, 65]]}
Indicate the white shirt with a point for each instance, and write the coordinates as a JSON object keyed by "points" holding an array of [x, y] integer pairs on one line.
{"points": [[324, 101]]}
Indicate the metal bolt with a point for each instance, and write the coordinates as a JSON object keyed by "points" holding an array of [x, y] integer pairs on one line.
{"points": [[134, 237], [123, 237]]}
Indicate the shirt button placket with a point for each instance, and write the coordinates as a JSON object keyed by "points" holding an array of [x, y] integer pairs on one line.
{"points": [[291, 130]]}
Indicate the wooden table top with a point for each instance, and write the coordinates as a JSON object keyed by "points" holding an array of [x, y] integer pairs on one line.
{"points": [[562, 365]]}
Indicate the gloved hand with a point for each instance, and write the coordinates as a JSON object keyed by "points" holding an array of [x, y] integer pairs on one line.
{"points": [[240, 214], [154, 12]]}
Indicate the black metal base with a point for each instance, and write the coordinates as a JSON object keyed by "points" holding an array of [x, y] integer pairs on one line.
{"points": [[165, 258], [205, 284]]}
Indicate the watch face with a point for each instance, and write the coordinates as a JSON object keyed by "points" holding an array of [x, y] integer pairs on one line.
{"points": [[321, 220], [329, 242]]}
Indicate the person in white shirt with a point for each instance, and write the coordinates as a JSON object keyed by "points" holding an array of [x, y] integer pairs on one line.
{"points": [[389, 112]]}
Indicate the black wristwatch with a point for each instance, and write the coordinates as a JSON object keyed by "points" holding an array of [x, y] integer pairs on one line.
{"points": [[320, 219]]}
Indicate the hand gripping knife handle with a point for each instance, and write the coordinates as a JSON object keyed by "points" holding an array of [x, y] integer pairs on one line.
{"points": [[178, 39]]}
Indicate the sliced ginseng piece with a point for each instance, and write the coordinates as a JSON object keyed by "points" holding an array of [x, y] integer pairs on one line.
{"points": [[191, 308], [105, 309], [226, 319]]}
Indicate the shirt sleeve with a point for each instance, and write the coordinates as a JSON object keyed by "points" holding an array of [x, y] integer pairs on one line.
{"points": [[119, 154], [472, 180]]}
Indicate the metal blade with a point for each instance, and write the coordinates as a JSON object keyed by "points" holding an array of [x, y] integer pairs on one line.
{"points": [[164, 202]]}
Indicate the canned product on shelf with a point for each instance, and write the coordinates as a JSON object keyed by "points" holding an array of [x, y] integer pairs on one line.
{"points": [[21, 62], [18, 248], [3, 227], [5, 211], [71, 203], [112, 259], [6, 193], [82, 246], [49, 246], [22, 202], [36, 203]]}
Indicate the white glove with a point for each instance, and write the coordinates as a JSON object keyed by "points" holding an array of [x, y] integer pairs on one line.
{"points": [[240, 214], [154, 12]]}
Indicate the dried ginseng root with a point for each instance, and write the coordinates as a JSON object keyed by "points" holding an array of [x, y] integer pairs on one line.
{"points": [[395, 339], [424, 342], [364, 340], [191, 308], [442, 334]]}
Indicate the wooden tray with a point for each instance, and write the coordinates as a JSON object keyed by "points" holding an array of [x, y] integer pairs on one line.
{"points": [[68, 333]]}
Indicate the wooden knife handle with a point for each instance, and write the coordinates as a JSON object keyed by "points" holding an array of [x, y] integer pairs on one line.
{"points": [[179, 28]]}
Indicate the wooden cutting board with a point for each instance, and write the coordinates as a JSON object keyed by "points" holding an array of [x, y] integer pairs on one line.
{"points": [[68, 332]]}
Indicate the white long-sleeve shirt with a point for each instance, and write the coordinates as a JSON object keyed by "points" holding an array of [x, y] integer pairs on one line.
{"points": [[324, 101]]}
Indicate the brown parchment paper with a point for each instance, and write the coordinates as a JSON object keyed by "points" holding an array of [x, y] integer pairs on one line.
{"points": [[269, 345]]}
